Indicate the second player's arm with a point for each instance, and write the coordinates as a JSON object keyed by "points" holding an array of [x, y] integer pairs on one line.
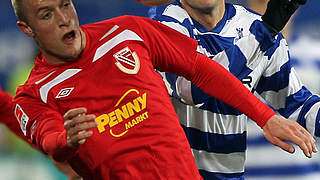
{"points": [[216, 81], [281, 87]]}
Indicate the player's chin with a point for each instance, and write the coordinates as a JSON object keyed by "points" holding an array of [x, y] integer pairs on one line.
{"points": [[72, 51], [70, 56]]}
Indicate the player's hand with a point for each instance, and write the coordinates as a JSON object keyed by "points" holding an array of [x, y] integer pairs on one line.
{"points": [[77, 125], [154, 2], [65, 168], [278, 14], [277, 130]]}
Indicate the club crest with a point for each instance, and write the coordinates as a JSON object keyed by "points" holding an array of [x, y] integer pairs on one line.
{"points": [[127, 61]]}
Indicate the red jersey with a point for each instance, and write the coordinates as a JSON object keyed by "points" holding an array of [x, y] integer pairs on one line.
{"points": [[138, 134], [6, 114]]}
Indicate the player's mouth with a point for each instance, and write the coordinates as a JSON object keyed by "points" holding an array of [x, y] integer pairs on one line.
{"points": [[69, 37]]}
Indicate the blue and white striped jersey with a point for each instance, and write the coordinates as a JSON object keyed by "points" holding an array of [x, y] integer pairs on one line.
{"points": [[216, 132]]}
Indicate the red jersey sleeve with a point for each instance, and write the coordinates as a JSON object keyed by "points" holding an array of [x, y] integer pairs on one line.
{"points": [[6, 114], [42, 125], [174, 52], [169, 50], [227, 88]]}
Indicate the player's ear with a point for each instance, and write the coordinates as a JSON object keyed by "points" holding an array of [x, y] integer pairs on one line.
{"points": [[25, 28]]}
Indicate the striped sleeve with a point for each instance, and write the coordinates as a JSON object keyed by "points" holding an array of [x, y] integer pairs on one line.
{"points": [[281, 87]]}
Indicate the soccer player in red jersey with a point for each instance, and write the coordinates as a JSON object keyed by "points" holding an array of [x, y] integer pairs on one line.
{"points": [[108, 67]]}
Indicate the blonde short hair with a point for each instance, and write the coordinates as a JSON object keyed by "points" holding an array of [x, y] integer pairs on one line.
{"points": [[19, 10]]}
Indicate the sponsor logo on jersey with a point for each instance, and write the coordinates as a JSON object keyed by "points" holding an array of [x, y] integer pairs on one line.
{"points": [[127, 61], [64, 92], [247, 81], [22, 118], [123, 118]]}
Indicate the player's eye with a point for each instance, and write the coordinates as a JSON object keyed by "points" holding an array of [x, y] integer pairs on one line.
{"points": [[67, 4], [46, 15]]}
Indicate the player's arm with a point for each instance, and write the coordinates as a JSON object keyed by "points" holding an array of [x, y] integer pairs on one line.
{"points": [[154, 2], [276, 129], [281, 87], [6, 114], [8, 119], [168, 52], [65, 168], [45, 127]]}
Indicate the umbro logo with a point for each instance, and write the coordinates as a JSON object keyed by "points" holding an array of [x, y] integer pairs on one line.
{"points": [[64, 92]]}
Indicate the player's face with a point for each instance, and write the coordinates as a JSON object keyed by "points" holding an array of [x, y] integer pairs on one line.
{"points": [[203, 5], [54, 25]]}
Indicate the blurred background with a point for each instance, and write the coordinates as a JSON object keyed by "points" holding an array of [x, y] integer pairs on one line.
{"points": [[20, 162]]}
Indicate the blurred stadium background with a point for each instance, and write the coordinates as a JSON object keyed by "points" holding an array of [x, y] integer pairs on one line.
{"points": [[19, 162]]}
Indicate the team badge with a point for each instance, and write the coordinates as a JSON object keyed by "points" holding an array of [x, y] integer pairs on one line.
{"points": [[240, 34], [127, 61]]}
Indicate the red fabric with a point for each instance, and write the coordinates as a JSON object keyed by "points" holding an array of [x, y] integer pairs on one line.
{"points": [[43, 125], [240, 97], [139, 135], [6, 114]]}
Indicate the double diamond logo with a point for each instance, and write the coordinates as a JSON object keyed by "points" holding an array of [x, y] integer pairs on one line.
{"points": [[64, 92]]}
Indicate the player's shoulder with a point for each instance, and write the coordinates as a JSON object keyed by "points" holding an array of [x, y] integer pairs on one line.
{"points": [[126, 20], [39, 76], [170, 12], [38, 73], [133, 23], [238, 19], [243, 14]]}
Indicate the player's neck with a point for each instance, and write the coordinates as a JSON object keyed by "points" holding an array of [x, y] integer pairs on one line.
{"points": [[209, 18], [258, 6]]}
